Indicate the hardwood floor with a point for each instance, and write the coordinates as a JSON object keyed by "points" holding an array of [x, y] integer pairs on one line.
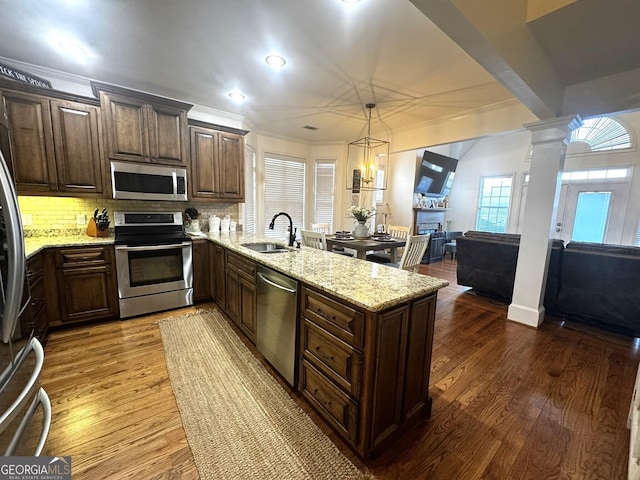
{"points": [[509, 401]]}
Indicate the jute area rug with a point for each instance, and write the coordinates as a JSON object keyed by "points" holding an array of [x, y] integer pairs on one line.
{"points": [[240, 423]]}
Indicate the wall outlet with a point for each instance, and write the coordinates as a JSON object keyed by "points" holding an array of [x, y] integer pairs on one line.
{"points": [[27, 219], [81, 219]]}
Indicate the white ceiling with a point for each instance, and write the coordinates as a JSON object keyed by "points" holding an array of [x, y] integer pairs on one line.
{"points": [[582, 58], [340, 57]]}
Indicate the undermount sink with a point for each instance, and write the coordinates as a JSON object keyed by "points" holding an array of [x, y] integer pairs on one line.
{"points": [[266, 247]]}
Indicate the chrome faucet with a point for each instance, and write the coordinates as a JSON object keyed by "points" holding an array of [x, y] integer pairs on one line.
{"points": [[292, 231]]}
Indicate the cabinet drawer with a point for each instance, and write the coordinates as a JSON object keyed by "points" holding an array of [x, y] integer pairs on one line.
{"points": [[38, 296], [335, 358], [75, 257], [35, 268], [245, 267], [331, 402], [344, 322]]}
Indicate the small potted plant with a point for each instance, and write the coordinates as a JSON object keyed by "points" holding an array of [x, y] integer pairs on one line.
{"points": [[191, 220]]}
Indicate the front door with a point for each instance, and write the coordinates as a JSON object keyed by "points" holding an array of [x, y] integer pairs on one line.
{"points": [[591, 212], [587, 212]]}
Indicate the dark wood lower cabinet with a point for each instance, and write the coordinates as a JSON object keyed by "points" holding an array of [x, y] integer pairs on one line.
{"points": [[390, 349], [85, 280], [34, 317], [201, 276], [240, 286], [217, 274], [366, 373]]}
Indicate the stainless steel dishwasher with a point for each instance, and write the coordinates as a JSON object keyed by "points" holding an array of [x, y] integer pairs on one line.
{"points": [[277, 320]]}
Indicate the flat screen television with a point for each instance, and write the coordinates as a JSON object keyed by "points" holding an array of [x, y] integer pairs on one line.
{"points": [[435, 174]]}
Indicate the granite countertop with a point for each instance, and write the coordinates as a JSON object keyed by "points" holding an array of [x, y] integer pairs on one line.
{"points": [[369, 285], [33, 245]]}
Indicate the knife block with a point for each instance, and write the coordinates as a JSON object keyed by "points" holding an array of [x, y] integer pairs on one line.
{"points": [[93, 231]]}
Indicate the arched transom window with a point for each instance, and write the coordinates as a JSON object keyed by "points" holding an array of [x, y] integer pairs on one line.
{"points": [[597, 134], [602, 133]]}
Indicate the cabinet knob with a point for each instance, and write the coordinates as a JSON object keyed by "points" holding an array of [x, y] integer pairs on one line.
{"points": [[324, 402], [326, 357]]}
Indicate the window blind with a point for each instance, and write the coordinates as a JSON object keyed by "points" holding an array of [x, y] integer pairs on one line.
{"points": [[325, 186], [250, 191], [378, 195], [284, 191]]}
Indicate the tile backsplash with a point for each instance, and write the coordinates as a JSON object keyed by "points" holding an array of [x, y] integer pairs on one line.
{"points": [[59, 215]]}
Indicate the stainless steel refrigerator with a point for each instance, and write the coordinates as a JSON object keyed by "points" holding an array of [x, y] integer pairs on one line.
{"points": [[25, 409]]}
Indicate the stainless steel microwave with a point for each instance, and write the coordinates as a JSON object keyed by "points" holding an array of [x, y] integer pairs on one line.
{"points": [[136, 181]]}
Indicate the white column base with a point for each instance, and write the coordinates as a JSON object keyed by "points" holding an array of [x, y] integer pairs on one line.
{"points": [[532, 317]]}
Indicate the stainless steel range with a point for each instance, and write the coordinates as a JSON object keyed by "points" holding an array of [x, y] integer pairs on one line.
{"points": [[154, 262]]}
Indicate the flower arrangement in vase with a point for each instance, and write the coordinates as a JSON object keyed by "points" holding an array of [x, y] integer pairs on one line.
{"points": [[361, 214]]}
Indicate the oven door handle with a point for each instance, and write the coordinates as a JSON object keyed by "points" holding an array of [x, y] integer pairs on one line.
{"points": [[152, 247]]}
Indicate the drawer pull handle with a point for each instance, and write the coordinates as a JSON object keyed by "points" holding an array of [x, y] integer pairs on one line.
{"points": [[324, 402], [326, 357], [324, 315]]}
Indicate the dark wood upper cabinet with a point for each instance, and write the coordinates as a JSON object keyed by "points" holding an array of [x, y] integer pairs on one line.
{"points": [[76, 138], [54, 144], [217, 163], [232, 166], [143, 128], [204, 163], [31, 142]]}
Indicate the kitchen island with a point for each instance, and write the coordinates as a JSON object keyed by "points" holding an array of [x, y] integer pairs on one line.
{"points": [[369, 285], [365, 334]]}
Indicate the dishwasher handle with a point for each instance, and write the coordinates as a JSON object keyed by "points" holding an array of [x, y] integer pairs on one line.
{"points": [[273, 284]]}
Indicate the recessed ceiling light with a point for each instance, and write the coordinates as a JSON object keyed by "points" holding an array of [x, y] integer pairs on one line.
{"points": [[69, 47], [72, 48], [275, 61], [236, 96], [350, 1]]}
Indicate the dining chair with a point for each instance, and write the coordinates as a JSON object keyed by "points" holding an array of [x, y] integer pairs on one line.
{"points": [[321, 227], [395, 231], [413, 252], [314, 239], [398, 231], [326, 228]]}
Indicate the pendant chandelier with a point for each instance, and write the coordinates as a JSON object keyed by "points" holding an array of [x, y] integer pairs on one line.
{"points": [[367, 162]]}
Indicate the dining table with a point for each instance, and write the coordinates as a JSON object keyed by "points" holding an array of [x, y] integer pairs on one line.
{"points": [[364, 245]]}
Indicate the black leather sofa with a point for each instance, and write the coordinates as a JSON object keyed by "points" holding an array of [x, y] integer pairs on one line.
{"points": [[589, 282], [487, 263], [600, 284]]}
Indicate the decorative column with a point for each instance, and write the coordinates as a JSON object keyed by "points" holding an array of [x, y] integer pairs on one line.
{"points": [[549, 139]]}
